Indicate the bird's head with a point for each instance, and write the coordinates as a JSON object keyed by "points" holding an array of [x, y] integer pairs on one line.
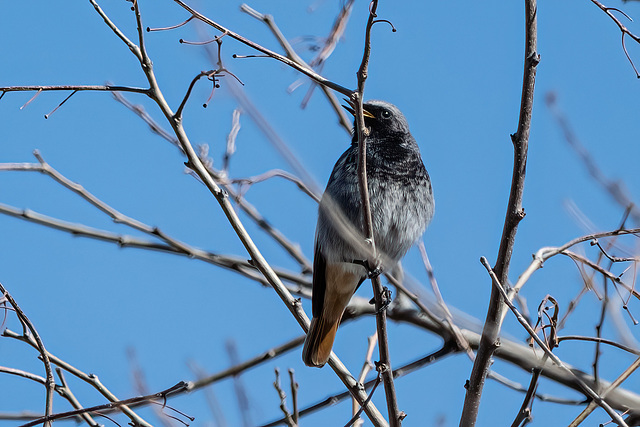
{"points": [[382, 117]]}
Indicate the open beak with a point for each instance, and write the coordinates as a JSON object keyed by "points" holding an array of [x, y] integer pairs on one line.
{"points": [[350, 109]]}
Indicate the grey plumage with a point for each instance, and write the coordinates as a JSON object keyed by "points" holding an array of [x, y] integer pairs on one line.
{"points": [[402, 206]]}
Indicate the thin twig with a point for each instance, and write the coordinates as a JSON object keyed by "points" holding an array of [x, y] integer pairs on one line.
{"points": [[294, 396], [599, 340], [231, 140], [524, 414], [238, 385], [210, 73], [63, 390], [283, 400], [545, 253], [46, 116], [76, 88], [384, 367], [366, 367], [132, 46], [455, 331], [277, 173], [153, 125], [24, 374], [356, 416]]}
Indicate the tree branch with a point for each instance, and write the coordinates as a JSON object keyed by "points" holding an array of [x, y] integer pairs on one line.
{"points": [[514, 215], [77, 88], [384, 367]]}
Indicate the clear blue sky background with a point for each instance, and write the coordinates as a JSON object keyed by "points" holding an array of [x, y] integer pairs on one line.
{"points": [[454, 69]]}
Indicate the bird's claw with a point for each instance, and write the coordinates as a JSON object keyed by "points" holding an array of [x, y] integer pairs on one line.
{"points": [[385, 300], [372, 272], [375, 272]]}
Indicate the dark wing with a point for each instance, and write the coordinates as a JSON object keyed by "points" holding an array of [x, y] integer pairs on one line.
{"points": [[319, 282]]}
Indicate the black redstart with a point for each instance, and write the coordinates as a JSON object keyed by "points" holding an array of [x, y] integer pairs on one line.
{"points": [[402, 206]]}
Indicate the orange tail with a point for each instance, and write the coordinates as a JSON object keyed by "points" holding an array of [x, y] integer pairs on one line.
{"points": [[317, 346]]}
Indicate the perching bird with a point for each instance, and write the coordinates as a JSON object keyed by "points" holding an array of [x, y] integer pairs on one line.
{"points": [[402, 206]]}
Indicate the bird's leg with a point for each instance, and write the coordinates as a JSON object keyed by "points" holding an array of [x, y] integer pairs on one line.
{"points": [[371, 272]]}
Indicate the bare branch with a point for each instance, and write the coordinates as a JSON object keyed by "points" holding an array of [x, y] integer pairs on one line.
{"points": [[238, 385], [524, 414], [455, 331], [294, 396], [599, 340], [545, 253], [231, 140], [34, 337], [515, 213], [283, 400], [235, 370], [281, 174], [74, 88], [384, 367], [63, 390], [366, 367], [23, 374]]}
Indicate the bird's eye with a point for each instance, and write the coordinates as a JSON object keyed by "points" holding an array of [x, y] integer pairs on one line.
{"points": [[386, 114]]}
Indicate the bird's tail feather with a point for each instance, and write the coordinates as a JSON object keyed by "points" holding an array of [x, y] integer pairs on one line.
{"points": [[317, 346]]}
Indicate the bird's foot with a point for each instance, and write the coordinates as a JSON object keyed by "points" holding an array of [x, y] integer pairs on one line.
{"points": [[385, 299], [372, 272]]}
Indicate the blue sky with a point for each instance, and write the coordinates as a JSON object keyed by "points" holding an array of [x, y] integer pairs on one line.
{"points": [[454, 70]]}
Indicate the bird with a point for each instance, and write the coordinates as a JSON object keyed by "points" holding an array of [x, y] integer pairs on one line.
{"points": [[402, 206]]}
